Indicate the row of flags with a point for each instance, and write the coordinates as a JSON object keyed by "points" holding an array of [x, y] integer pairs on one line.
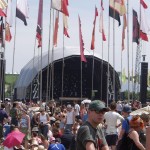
{"points": [[116, 10]]}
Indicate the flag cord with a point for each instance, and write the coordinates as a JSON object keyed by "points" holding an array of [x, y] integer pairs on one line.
{"points": [[48, 66]]}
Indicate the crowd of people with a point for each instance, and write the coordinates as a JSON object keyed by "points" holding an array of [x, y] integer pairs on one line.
{"points": [[74, 126]]}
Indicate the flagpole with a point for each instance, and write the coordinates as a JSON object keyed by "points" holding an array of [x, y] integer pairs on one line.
{"points": [[81, 80], [102, 73], [48, 65], [108, 60], [132, 73], [92, 74], [128, 50]]}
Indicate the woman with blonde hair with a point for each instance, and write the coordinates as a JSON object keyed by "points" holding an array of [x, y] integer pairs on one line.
{"points": [[136, 125]]}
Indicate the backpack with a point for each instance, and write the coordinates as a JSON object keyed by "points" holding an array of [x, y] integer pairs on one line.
{"points": [[123, 143]]}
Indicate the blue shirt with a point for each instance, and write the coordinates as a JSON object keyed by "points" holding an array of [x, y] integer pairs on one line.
{"points": [[56, 146], [125, 124]]}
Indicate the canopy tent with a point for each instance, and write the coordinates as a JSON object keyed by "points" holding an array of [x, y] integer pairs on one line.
{"points": [[72, 75]]}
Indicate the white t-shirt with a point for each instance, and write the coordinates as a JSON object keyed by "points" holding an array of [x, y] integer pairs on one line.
{"points": [[6, 148], [112, 118], [77, 109]]}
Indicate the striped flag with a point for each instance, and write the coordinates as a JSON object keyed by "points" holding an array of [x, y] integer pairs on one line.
{"points": [[93, 33], [22, 10], [39, 24], [61, 5], [3, 4], [101, 28], [56, 28], [83, 58], [65, 22]]}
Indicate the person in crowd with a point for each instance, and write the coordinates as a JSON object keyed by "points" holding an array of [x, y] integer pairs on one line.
{"points": [[90, 136], [142, 133], [34, 145], [25, 126], [70, 118], [62, 122], [3, 115], [119, 107], [111, 124], [82, 110], [44, 141], [77, 110], [125, 123], [43, 121], [7, 106], [56, 132], [55, 145], [136, 125], [66, 138], [34, 120], [35, 136]]}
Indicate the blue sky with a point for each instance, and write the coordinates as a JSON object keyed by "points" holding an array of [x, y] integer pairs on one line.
{"points": [[25, 35]]}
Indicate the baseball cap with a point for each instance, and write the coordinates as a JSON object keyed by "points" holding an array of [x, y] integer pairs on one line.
{"points": [[97, 105], [126, 109]]}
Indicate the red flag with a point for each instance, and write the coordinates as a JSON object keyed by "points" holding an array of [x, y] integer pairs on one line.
{"points": [[61, 5], [93, 33], [8, 36], [56, 29], [101, 29], [143, 4], [83, 58], [2, 14], [39, 24], [65, 22]]}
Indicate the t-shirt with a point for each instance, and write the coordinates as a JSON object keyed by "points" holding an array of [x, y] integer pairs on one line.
{"points": [[13, 113], [125, 124], [56, 146], [77, 109], [111, 119], [3, 115], [88, 133]]}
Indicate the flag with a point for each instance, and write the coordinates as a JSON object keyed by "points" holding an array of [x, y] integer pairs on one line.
{"points": [[56, 29], [3, 4], [117, 8], [39, 24], [93, 33], [22, 10], [136, 28], [143, 4], [9, 18], [61, 5], [123, 30], [144, 27], [2, 14], [8, 36], [65, 22], [8, 24], [83, 58], [101, 28]]}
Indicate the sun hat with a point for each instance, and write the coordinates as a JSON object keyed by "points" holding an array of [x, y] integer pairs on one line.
{"points": [[69, 106], [35, 129], [97, 105], [126, 109]]}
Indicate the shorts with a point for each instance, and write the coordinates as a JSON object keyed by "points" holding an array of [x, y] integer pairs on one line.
{"points": [[111, 139]]}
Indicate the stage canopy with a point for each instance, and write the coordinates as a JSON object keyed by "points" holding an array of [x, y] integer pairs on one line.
{"points": [[73, 79]]}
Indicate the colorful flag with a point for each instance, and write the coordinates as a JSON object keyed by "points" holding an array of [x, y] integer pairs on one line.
{"points": [[8, 36], [39, 24], [2, 33], [61, 5], [22, 10], [2, 14], [83, 58], [143, 4], [136, 28], [101, 28], [144, 26], [115, 10], [93, 33], [3, 4], [123, 30], [65, 22], [56, 28], [9, 20]]}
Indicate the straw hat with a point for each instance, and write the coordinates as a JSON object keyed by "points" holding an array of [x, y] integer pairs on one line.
{"points": [[41, 147]]}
